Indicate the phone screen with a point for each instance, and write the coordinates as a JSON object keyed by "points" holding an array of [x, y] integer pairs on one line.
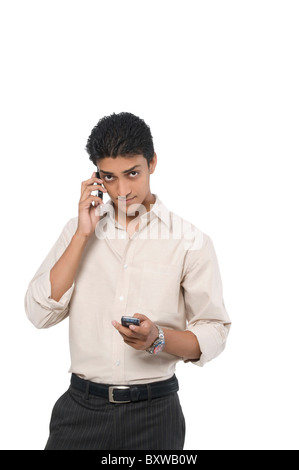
{"points": [[127, 321]]}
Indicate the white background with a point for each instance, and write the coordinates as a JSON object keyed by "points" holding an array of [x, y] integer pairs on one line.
{"points": [[217, 81]]}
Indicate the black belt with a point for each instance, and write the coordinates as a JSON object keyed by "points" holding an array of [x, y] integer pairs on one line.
{"points": [[126, 393]]}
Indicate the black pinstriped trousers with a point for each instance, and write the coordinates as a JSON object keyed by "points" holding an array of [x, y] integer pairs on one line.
{"points": [[87, 422]]}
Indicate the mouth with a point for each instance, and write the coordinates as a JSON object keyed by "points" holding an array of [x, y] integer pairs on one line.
{"points": [[131, 199]]}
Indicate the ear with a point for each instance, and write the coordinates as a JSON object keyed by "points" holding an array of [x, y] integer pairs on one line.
{"points": [[153, 164]]}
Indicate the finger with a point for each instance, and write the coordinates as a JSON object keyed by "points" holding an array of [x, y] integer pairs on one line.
{"points": [[134, 344], [139, 331], [90, 199], [127, 339], [140, 316], [97, 211], [90, 182], [86, 203], [87, 190], [124, 331]]}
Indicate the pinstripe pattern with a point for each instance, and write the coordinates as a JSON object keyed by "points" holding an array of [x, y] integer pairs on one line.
{"points": [[92, 423]]}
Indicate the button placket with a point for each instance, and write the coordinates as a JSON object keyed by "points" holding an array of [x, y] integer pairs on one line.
{"points": [[121, 301]]}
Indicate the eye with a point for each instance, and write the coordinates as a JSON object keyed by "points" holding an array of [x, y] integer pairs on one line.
{"points": [[111, 177], [107, 176]]}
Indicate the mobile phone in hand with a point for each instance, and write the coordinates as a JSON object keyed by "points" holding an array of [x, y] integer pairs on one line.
{"points": [[127, 321], [100, 193]]}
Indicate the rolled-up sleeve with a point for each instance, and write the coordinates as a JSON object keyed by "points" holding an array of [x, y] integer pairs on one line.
{"points": [[41, 310], [206, 314]]}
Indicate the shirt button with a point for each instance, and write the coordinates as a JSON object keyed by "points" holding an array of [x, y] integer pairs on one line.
{"points": [[125, 266], [121, 298]]}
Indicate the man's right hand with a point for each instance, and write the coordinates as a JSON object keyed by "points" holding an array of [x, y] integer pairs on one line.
{"points": [[87, 211]]}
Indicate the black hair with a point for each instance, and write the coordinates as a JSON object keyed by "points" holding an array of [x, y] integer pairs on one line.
{"points": [[120, 134]]}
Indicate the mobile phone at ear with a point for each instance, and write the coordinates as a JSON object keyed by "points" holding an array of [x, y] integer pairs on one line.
{"points": [[100, 193], [127, 321]]}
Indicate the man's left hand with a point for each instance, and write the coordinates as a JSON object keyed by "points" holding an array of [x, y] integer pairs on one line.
{"points": [[138, 337]]}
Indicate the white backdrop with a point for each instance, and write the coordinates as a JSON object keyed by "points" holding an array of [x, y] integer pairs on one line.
{"points": [[217, 81]]}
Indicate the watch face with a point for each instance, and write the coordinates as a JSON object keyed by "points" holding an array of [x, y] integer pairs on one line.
{"points": [[159, 347]]}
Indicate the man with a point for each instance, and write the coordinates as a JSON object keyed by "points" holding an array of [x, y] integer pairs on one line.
{"points": [[129, 257]]}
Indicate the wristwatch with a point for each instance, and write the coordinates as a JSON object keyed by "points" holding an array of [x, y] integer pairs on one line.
{"points": [[159, 344]]}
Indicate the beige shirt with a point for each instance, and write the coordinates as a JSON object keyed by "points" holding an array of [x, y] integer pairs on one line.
{"points": [[166, 270]]}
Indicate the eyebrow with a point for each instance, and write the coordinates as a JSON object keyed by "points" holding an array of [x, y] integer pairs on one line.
{"points": [[126, 171]]}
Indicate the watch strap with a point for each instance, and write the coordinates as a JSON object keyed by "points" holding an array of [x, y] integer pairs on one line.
{"points": [[159, 343]]}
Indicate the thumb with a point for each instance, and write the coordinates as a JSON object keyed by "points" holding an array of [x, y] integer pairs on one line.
{"points": [[140, 316], [98, 210]]}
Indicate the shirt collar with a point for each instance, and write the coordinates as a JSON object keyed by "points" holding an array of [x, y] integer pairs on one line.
{"points": [[158, 209]]}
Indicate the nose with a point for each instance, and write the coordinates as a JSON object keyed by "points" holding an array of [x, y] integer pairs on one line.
{"points": [[123, 191]]}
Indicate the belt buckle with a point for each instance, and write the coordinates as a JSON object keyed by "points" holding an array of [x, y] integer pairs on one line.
{"points": [[117, 387]]}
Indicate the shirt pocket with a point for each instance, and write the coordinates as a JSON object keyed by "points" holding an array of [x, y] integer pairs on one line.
{"points": [[160, 287]]}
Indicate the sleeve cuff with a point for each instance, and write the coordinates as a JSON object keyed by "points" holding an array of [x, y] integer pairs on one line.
{"points": [[211, 339], [43, 294]]}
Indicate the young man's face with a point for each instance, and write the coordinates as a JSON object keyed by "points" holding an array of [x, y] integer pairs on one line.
{"points": [[127, 180]]}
